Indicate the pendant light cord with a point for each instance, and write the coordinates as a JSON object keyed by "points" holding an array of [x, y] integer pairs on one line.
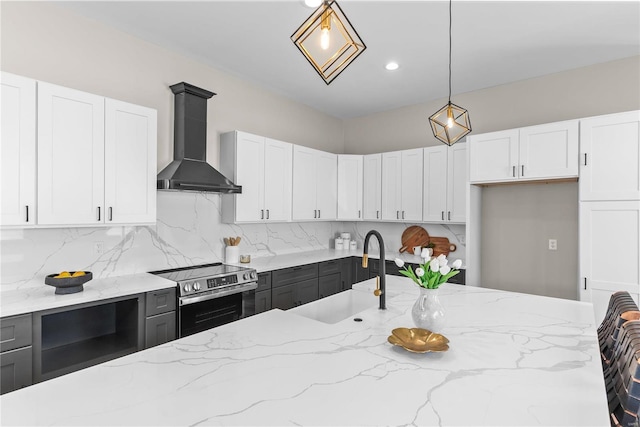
{"points": [[450, 1]]}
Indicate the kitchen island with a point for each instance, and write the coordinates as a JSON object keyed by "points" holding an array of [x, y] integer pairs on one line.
{"points": [[514, 359]]}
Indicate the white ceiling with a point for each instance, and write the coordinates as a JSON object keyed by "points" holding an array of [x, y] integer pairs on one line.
{"points": [[494, 42]]}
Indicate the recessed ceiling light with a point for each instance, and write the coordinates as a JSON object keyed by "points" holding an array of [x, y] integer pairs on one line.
{"points": [[391, 66], [312, 3]]}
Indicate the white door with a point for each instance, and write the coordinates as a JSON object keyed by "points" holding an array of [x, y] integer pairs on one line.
{"points": [[411, 188], [277, 180], [130, 163], [391, 186], [70, 156], [327, 185], [249, 173], [372, 187], [350, 187], [457, 183], [304, 184], [609, 251], [610, 157], [493, 157], [434, 204], [17, 150], [549, 151]]}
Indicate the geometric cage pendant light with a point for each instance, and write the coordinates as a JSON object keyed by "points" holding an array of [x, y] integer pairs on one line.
{"points": [[328, 40], [451, 122]]}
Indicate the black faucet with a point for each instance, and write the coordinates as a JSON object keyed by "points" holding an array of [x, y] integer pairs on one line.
{"points": [[379, 292]]}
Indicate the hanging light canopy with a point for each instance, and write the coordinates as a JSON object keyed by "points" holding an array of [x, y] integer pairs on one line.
{"points": [[451, 122], [328, 40]]}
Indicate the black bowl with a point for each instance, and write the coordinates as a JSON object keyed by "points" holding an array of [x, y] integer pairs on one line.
{"points": [[68, 285]]}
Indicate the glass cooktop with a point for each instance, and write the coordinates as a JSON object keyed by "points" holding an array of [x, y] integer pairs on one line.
{"points": [[204, 271]]}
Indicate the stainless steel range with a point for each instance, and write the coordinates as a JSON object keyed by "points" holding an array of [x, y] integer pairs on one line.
{"points": [[211, 295]]}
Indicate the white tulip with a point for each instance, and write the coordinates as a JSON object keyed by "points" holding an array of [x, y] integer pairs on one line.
{"points": [[434, 265], [445, 270], [442, 260], [457, 264], [399, 262], [419, 272], [426, 253]]}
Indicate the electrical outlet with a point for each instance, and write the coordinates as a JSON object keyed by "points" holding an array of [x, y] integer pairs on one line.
{"points": [[98, 248], [553, 245]]}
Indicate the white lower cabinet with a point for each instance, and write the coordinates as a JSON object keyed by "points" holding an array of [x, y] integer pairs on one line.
{"points": [[263, 167], [17, 150], [372, 187], [350, 187], [315, 184], [402, 185], [610, 157], [445, 184], [609, 251]]}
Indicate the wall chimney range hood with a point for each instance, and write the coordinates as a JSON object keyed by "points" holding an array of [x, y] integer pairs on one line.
{"points": [[189, 171]]}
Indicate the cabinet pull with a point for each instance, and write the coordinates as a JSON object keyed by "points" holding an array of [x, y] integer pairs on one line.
{"points": [[319, 214], [377, 214], [585, 159], [514, 171], [449, 215], [110, 213], [402, 214], [98, 213], [267, 213], [522, 174], [358, 214], [315, 214], [585, 283], [27, 218], [442, 215], [261, 213], [397, 214]]}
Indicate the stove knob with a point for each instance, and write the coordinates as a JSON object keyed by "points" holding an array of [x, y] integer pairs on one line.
{"points": [[196, 286], [246, 276], [187, 287], [254, 275]]}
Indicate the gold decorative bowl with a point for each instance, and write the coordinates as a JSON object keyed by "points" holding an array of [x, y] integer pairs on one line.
{"points": [[417, 340]]}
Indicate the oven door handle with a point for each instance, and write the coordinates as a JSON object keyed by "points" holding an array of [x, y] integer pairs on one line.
{"points": [[218, 293]]}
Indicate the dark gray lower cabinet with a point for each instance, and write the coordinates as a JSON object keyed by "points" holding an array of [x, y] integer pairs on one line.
{"points": [[16, 353], [329, 284], [294, 294], [263, 292], [359, 274], [160, 321], [345, 273]]}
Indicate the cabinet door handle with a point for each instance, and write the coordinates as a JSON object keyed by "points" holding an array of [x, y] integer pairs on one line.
{"points": [[319, 215], [522, 174], [267, 213], [514, 171], [110, 213], [402, 214], [315, 213], [585, 159], [377, 214], [27, 218], [442, 215], [585, 283], [397, 214], [98, 213], [449, 215], [358, 214], [261, 213]]}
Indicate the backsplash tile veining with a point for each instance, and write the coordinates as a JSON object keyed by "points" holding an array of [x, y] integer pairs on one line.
{"points": [[188, 232]]}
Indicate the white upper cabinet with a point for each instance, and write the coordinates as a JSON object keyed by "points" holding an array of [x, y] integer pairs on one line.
{"points": [[130, 163], [548, 151], [610, 157], [445, 179], [17, 150], [402, 185], [372, 187], [262, 166], [350, 169], [70, 156], [315, 176]]}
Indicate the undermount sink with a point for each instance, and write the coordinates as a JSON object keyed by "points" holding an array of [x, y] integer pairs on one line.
{"points": [[338, 307]]}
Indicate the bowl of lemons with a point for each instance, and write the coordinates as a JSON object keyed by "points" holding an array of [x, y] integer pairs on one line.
{"points": [[68, 282]]}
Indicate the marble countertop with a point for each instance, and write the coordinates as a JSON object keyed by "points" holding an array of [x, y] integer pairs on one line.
{"points": [[44, 298], [514, 360]]}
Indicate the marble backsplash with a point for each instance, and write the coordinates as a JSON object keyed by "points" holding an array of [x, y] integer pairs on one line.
{"points": [[188, 232]]}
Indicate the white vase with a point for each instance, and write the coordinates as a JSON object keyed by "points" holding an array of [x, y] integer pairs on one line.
{"points": [[428, 312]]}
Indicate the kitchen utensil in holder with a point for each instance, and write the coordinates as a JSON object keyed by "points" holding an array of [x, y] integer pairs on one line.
{"points": [[232, 254]]}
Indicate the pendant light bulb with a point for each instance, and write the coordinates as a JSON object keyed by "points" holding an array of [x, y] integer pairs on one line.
{"points": [[449, 117], [325, 27]]}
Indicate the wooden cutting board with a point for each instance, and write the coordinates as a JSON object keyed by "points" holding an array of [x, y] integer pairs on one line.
{"points": [[441, 245], [414, 236]]}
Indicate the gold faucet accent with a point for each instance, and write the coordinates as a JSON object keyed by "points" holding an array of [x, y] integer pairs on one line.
{"points": [[377, 292], [365, 260]]}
